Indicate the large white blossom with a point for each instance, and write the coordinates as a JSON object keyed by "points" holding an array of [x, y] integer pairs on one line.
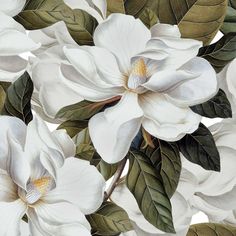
{"points": [[13, 41], [227, 81], [40, 177], [156, 73]]}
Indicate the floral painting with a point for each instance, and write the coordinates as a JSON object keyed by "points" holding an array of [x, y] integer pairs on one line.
{"points": [[117, 117]]}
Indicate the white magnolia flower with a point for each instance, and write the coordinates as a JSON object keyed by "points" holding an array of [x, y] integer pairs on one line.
{"points": [[13, 41], [216, 192], [181, 208], [96, 8], [40, 177], [156, 73], [227, 81], [12, 7]]}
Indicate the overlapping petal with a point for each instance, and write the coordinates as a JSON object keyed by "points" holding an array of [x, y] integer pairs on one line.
{"points": [[12, 7], [165, 120], [118, 34], [113, 130]]}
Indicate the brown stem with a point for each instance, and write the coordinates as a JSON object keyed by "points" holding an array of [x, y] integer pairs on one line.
{"points": [[115, 179]]}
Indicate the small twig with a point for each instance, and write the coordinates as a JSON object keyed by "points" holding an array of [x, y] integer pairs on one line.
{"points": [[115, 179]]}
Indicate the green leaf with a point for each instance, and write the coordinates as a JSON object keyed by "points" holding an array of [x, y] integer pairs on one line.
{"points": [[210, 229], [80, 111], [115, 6], [217, 107], [166, 159], [73, 127], [107, 170], [18, 99], [145, 183], [84, 148], [2, 97], [5, 85], [109, 219], [148, 17], [230, 18], [220, 53], [197, 19], [39, 14], [200, 148]]}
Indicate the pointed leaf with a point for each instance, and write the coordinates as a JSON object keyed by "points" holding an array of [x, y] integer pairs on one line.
{"points": [[80, 111], [2, 97], [18, 99], [210, 229], [115, 6], [220, 53], [200, 148], [148, 17], [109, 219], [230, 18], [145, 183], [39, 14], [166, 159], [217, 107], [73, 127], [107, 170]]}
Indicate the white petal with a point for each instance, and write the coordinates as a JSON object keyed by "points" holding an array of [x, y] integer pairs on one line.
{"points": [[11, 68], [107, 66], [180, 50], [165, 120], [124, 36], [221, 182], [12, 7], [7, 23], [83, 61], [49, 36], [89, 91], [79, 183], [13, 42], [165, 30], [8, 188], [196, 90], [10, 217], [83, 5], [17, 165], [50, 100], [66, 143], [113, 131], [62, 219], [16, 129], [102, 6]]}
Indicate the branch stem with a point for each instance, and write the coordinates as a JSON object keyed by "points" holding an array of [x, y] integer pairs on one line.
{"points": [[115, 179]]}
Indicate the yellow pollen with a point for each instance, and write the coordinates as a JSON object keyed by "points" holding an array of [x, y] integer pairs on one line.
{"points": [[139, 68], [42, 184]]}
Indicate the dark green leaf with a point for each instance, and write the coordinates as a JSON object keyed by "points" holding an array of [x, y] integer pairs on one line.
{"points": [[115, 6], [5, 85], [80, 111], [73, 127], [145, 183], [210, 229], [107, 170], [39, 14], [220, 53], [230, 18], [217, 107], [18, 99], [199, 148], [166, 159], [110, 219], [2, 97], [148, 17]]}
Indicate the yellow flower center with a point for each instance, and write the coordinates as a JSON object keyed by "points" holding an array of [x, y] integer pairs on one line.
{"points": [[37, 188], [138, 74]]}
